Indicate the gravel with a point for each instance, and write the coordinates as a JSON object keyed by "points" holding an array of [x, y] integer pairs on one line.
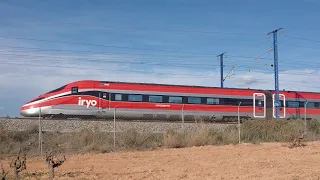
{"points": [[102, 126]]}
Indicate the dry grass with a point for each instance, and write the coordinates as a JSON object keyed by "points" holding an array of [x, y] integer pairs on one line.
{"points": [[255, 131], [271, 131], [179, 139]]}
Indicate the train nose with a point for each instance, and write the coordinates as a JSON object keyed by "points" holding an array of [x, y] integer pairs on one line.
{"points": [[29, 112], [32, 108], [23, 113]]}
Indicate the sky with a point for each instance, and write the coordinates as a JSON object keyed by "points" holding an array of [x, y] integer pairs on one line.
{"points": [[46, 44]]}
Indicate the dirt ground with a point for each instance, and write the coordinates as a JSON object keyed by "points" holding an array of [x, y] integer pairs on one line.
{"points": [[245, 161]]}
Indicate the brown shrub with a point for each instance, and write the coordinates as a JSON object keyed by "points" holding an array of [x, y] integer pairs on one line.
{"points": [[132, 139], [173, 139], [211, 136]]}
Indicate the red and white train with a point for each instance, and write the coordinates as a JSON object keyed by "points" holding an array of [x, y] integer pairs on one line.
{"points": [[164, 102]]}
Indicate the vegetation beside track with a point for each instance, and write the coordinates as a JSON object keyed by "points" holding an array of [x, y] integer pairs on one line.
{"points": [[252, 131]]}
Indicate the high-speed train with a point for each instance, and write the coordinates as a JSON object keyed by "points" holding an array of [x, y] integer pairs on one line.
{"points": [[99, 99]]}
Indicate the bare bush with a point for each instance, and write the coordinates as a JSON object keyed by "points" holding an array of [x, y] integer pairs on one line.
{"points": [[53, 163], [18, 165]]}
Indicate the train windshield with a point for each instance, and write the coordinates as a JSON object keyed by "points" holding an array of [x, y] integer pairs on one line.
{"points": [[58, 89]]}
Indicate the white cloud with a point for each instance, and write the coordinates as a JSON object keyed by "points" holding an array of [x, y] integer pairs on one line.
{"points": [[24, 82]]}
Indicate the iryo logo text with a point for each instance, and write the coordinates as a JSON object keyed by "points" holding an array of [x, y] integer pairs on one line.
{"points": [[87, 102]]}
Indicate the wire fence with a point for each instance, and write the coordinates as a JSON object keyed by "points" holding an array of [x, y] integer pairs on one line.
{"points": [[117, 128], [116, 125], [112, 124]]}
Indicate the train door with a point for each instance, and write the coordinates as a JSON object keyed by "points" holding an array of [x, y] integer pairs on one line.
{"points": [[282, 99], [104, 98], [259, 105], [101, 101]]}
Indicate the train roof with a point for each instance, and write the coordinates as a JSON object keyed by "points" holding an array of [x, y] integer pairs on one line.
{"points": [[194, 86]]}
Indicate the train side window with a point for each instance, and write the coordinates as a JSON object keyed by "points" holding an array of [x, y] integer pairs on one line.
{"points": [[175, 99], [249, 102], [212, 101], [155, 98], [134, 98], [118, 97], [293, 104], [74, 90], [317, 105], [310, 105], [194, 100]]}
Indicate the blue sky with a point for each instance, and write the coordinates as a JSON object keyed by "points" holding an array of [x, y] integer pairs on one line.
{"points": [[154, 41]]}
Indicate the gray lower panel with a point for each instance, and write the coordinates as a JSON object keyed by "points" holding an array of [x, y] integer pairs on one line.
{"points": [[141, 114]]}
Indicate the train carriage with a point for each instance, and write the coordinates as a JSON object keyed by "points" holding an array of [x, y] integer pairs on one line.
{"points": [[98, 99]]}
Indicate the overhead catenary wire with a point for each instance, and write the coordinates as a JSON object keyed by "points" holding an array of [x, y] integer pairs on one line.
{"points": [[163, 29], [173, 30], [205, 35], [169, 56], [102, 45], [144, 28], [66, 59], [115, 60], [287, 63], [150, 49], [167, 76], [263, 81], [304, 39], [121, 70], [104, 52], [155, 29], [99, 45], [143, 61], [308, 47], [88, 68], [179, 30]]}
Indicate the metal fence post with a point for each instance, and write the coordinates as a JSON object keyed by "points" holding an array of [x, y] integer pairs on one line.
{"points": [[114, 127], [305, 117], [40, 132], [239, 132], [182, 114]]}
